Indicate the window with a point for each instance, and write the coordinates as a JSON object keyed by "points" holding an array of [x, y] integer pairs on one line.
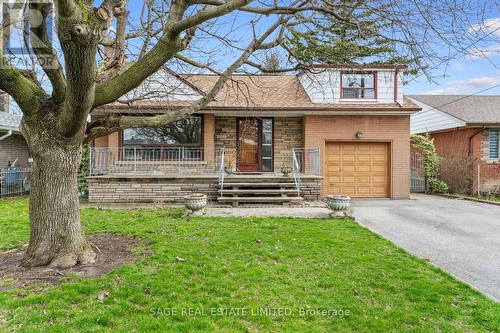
{"points": [[358, 85], [494, 144], [267, 144], [179, 140]]}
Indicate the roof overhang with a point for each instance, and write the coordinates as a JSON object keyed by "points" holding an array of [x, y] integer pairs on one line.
{"points": [[493, 124], [282, 112]]}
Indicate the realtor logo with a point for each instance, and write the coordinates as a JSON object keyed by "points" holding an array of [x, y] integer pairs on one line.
{"points": [[27, 33]]}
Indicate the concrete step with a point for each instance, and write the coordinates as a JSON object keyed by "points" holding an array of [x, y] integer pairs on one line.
{"points": [[259, 199], [256, 191], [259, 184]]}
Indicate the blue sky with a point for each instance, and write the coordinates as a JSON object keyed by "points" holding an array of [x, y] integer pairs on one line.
{"points": [[467, 74]]}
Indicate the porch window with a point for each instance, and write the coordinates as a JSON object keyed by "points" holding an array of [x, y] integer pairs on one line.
{"points": [[358, 85], [494, 144], [176, 141], [267, 144]]}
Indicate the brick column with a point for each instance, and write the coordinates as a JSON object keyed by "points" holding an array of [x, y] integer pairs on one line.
{"points": [[209, 138], [101, 142]]}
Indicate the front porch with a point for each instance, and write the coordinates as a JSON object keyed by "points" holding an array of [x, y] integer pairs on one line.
{"points": [[231, 158], [139, 175]]}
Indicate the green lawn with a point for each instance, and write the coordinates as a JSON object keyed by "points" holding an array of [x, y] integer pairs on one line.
{"points": [[243, 265], [489, 198]]}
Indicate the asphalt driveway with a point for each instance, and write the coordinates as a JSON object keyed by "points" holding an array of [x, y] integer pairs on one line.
{"points": [[462, 237]]}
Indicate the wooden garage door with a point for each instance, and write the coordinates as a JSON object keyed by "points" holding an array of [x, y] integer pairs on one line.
{"points": [[357, 169]]}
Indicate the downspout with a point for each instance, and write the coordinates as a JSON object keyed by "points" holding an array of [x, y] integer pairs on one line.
{"points": [[9, 133], [469, 153]]}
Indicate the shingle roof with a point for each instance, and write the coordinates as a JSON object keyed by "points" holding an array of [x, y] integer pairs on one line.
{"points": [[9, 121], [255, 90], [261, 92], [471, 109]]}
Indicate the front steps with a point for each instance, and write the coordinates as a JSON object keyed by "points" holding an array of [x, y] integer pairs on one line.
{"points": [[258, 189]]}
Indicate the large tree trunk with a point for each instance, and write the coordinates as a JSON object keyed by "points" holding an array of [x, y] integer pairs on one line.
{"points": [[57, 238]]}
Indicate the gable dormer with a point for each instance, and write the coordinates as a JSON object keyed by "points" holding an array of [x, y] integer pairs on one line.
{"points": [[326, 84]]}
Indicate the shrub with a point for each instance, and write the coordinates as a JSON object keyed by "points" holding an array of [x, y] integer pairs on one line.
{"points": [[431, 159], [457, 173], [438, 186]]}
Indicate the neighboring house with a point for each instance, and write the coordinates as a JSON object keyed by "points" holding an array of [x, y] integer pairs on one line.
{"points": [[463, 128], [12, 144], [341, 129]]}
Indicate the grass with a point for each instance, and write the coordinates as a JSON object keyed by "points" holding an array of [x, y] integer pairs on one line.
{"points": [[488, 197], [278, 266]]}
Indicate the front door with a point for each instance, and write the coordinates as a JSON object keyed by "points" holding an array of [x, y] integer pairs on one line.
{"points": [[255, 144], [249, 146]]}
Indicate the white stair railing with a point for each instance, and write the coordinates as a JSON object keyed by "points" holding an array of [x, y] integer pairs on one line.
{"points": [[222, 173], [296, 172]]}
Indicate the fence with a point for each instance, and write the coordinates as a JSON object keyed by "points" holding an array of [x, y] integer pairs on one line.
{"points": [[14, 181], [417, 177]]}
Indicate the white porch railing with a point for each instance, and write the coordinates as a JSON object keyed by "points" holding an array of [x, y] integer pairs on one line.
{"points": [[182, 160], [222, 173], [151, 160], [296, 172], [308, 159]]}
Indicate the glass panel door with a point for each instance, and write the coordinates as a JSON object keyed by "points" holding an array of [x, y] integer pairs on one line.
{"points": [[248, 145], [255, 144]]}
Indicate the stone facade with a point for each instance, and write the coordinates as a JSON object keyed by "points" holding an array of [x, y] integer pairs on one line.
{"points": [[225, 134], [146, 189], [12, 148], [136, 189], [288, 134]]}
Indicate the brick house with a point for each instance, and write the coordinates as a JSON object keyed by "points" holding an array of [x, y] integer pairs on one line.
{"points": [[338, 129], [13, 146], [465, 130]]}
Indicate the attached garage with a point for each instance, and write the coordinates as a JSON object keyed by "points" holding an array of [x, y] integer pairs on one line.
{"points": [[358, 169]]}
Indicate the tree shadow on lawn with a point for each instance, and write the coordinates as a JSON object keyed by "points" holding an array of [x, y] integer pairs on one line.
{"points": [[113, 251]]}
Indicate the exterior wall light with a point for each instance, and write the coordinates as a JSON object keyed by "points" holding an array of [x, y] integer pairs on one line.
{"points": [[359, 134]]}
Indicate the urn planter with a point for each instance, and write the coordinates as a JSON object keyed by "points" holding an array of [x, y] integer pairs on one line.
{"points": [[286, 171], [339, 202], [195, 203]]}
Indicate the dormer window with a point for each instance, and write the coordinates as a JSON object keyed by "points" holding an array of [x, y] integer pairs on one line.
{"points": [[358, 85]]}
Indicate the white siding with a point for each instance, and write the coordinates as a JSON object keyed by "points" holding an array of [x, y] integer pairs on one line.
{"points": [[324, 86], [385, 86], [162, 86], [431, 119], [9, 121], [400, 87]]}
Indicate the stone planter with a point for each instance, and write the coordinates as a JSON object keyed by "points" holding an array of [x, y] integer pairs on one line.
{"points": [[195, 203], [339, 202]]}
